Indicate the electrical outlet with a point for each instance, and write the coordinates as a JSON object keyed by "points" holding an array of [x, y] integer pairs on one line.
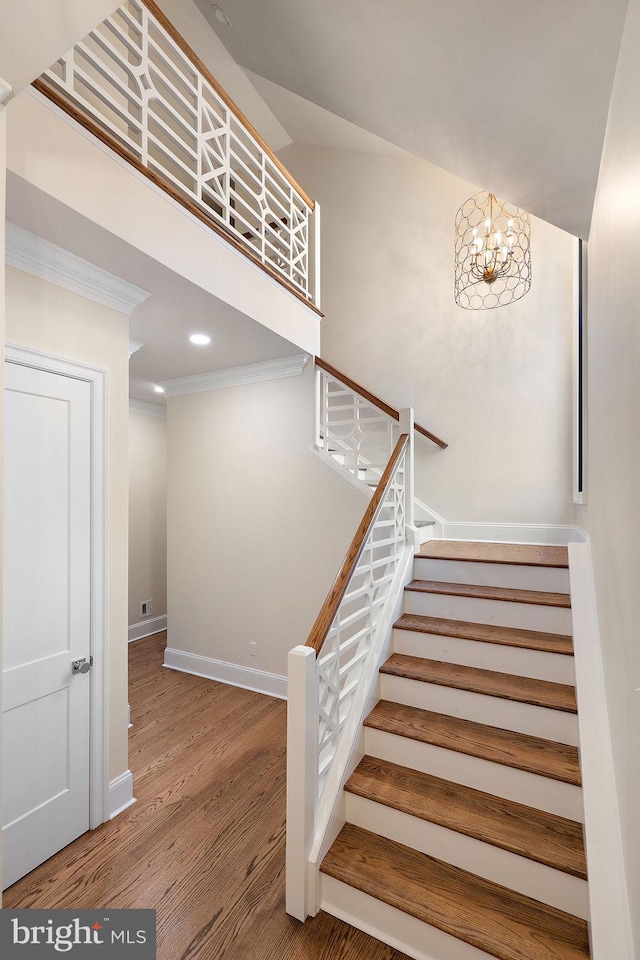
{"points": [[253, 648], [146, 608]]}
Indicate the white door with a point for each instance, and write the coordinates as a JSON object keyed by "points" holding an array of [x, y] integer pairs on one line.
{"points": [[47, 616]]}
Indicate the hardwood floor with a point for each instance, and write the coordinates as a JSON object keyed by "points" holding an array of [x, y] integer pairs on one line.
{"points": [[204, 844]]}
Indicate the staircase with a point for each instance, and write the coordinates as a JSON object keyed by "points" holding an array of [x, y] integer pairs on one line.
{"points": [[463, 837]]}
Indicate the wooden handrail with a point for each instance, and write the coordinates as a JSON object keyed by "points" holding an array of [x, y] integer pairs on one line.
{"points": [[376, 401], [334, 598], [222, 93]]}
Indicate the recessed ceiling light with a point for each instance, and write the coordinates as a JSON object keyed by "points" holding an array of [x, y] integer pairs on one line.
{"points": [[158, 389], [201, 339], [220, 15]]}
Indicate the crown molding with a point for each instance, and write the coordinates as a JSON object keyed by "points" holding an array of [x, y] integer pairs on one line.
{"points": [[148, 409], [134, 346], [5, 90], [45, 260], [236, 376]]}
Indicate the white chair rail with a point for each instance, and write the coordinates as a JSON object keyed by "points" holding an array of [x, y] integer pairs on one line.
{"points": [[139, 81]]}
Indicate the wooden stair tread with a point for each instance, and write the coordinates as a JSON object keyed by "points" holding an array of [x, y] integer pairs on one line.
{"points": [[492, 918], [541, 693], [558, 761], [535, 834], [487, 633], [527, 554], [490, 593]]}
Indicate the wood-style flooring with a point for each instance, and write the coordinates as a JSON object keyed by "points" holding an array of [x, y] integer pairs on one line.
{"points": [[204, 844]]}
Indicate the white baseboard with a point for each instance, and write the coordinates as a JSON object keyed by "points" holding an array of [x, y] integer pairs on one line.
{"points": [[552, 534], [556, 535], [145, 628], [121, 794], [234, 674], [610, 926]]}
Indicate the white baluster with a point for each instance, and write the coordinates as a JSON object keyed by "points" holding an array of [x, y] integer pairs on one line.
{"points": [[315, 289], [407, 426]]}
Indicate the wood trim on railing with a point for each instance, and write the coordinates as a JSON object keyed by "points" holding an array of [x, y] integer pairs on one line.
{"points": [[376, 401], [334, 598], [199, 65], [110, 141]]}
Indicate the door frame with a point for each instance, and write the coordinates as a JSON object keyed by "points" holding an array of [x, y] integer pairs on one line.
{"points": [[99, 701]]}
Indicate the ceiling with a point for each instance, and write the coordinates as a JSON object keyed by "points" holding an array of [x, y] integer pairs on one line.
{"points": [[510, 96], [175, 309]]}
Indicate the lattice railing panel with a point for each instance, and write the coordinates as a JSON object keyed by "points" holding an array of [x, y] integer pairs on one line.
{"points": [[131, 77], [351, 635], [352, 431]]}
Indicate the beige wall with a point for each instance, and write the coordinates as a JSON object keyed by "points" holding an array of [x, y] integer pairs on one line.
{"points": [[147, 514], [257, 528], [25, 52], [45, 317], [613, 468], [495, 384]]}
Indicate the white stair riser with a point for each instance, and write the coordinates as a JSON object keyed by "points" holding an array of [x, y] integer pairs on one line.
{"points": [[392, 926], [511, 870], [504, 613], [488, 656], [516, 576], [427, 533], [564, 799], [495, 711]]}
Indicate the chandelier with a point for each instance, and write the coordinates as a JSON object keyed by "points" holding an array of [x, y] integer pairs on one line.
{"points": [[493, 253]]}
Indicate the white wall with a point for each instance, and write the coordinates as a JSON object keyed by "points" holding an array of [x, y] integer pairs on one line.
{"points": [[189, 21], [45, 317], [147, 514], [257, 528], [496, 385], [612, 517]]}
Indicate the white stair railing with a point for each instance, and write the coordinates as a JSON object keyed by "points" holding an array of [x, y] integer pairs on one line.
{"points": [[136, 84], [326, 676], [351, 429]]}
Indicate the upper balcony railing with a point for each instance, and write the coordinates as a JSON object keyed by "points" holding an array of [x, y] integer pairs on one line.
{"points": [[136, 84]]}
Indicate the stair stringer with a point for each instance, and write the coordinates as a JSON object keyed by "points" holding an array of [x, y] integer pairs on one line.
{"points": [[330, 814], [610, 917]]}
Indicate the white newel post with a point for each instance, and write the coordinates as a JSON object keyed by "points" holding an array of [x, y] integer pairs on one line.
{"points": [[407, 426], [318, 409], [302, 766]]}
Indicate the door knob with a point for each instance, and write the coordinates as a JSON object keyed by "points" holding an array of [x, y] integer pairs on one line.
{"points": [[81, 666]]}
